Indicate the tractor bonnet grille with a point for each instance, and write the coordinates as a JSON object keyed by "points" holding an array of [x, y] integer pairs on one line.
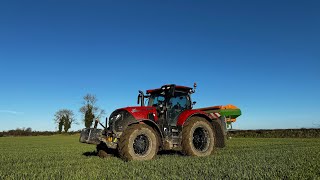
{"points": [[119, 120]]}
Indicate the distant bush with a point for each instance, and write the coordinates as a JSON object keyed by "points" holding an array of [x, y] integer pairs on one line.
{"points": [[29, 132], [276, 133]]}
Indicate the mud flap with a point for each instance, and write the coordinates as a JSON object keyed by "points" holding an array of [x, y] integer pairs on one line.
{"points": [[90, 135], [220, 132], [223, 122]]}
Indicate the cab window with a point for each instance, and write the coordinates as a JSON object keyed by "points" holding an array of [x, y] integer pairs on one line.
{"points": [[154, 100], [179, 102]]}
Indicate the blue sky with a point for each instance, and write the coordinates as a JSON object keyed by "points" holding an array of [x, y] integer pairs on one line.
{"points": [[263, 56]]}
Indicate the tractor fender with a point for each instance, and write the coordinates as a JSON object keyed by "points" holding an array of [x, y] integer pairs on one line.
{"points": [[216, 123], [185, 115], [151, 124]]}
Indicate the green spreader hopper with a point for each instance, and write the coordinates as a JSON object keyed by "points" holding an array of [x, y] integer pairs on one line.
{"points": [[230, 112]]}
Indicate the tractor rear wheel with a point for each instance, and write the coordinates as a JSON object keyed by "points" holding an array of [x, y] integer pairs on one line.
{"points": [[197, 137], [138, 142]]}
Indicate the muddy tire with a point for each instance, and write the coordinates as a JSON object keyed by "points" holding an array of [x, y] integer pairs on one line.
{"points": [[198, 138], [138, 142]]}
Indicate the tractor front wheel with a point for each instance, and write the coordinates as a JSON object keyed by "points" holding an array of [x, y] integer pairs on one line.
{"points": [[138, 142], [197, 137]]}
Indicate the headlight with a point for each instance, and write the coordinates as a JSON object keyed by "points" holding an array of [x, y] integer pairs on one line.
{"points": [[118, 116]]}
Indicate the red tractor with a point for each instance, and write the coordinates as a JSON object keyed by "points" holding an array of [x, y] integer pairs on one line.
{"points": [[167, 122]]}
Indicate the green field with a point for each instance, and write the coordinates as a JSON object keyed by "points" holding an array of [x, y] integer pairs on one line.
{"points": [[62, 157]]}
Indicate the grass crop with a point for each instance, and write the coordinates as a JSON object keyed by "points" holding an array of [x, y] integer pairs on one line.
{"points": [[277, 133], [63, 157]]}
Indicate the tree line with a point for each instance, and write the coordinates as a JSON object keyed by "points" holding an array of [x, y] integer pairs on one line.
{"points": [[29, 132], [64, 118]]}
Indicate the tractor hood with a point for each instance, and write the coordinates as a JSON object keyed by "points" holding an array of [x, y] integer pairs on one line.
{"points": [[141, 112], [121, 118]]}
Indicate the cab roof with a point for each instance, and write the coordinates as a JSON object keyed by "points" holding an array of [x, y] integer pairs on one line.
{"points": [[177, 88]]}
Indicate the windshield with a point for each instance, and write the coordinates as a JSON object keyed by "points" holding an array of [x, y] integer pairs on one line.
{"points": [[154, 99], [179, 101]]}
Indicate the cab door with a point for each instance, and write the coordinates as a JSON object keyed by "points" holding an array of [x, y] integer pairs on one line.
{"points": [[176, 105]]}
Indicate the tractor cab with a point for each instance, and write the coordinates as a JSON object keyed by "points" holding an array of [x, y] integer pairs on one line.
{"points": [[170, 101]]}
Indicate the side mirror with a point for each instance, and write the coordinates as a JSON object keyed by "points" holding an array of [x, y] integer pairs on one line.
{"points": [[139, 97], [194, 88]]}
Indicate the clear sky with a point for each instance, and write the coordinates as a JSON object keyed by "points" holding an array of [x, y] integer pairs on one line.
{"points": [[262, 56]]}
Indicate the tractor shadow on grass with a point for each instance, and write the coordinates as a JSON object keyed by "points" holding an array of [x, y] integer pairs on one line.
{"points": [[90, 153], [103, 151], [170, 153], [103, 154]]}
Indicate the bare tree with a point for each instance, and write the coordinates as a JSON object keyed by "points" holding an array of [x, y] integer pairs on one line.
{"points": [[64, 118], [90, 110]]}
